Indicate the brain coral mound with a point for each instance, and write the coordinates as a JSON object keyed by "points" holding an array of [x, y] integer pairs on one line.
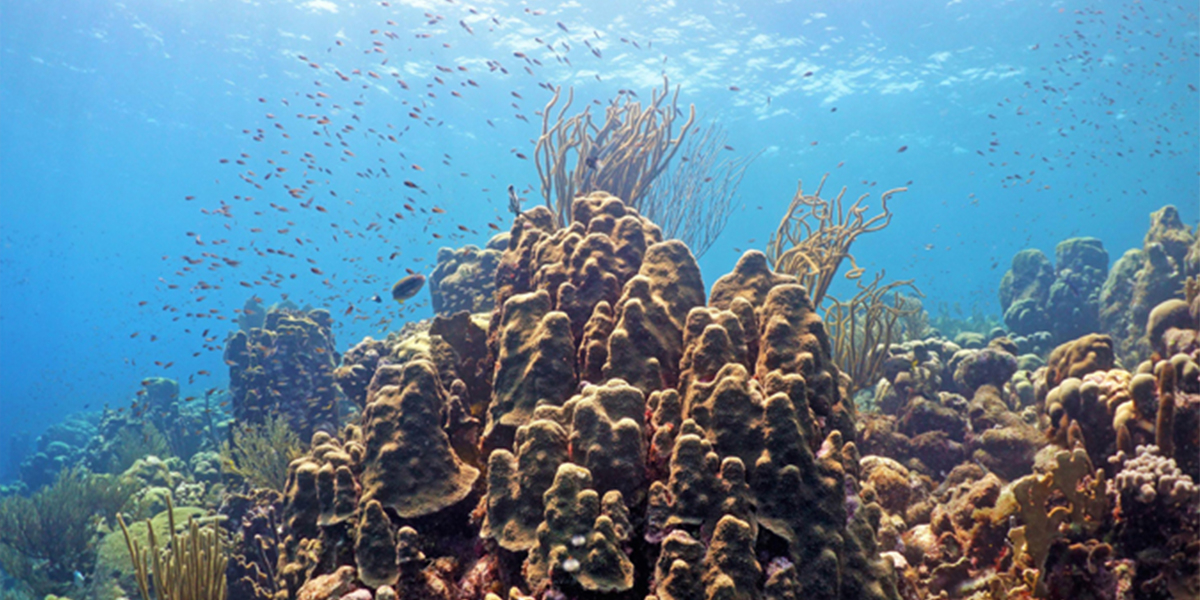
{"points": [[465, 278], [1143, 278], [636, 441], [534, 365], [792, 339], [285, 367], [1064, 298], [409, 465], [645, 346]]}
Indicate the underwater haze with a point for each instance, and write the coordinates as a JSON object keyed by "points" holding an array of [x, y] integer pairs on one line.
{"points": [[115, 113], [162, 163]]}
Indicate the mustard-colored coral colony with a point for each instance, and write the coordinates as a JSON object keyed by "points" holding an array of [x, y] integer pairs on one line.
{"points": [[584, 417]]}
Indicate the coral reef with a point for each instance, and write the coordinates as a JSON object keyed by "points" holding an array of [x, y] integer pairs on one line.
{"points": [[189, 566], [1003, 442], [993, 366], [644, 347], [793, 340], [578, 541], [1063, 298], [710, 431], [1024, 290], [604, 427], [575, 270], [1143, 278], [1086, 505], [61, 446], [534, 365], [863, 328], [632, 153], [1149, 488], [1073, 304], [517, 483], [358, 367], [815, 236], [1076, 358], [46, 538], [408, 464], [587, 424], [112, 551], [285, 367], [260, 454], [1155, 504], [465, 278]]}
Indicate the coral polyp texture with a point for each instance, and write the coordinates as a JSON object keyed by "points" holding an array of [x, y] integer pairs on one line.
{"points": [[408, 463], [465, 278]]}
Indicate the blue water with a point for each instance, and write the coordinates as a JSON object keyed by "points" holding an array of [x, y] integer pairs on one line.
{"points": [[113, 113]]}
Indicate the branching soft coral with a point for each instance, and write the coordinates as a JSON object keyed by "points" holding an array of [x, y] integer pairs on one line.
{"points": [[260, 453], [46, 538], [815, 235], [621, 155]]}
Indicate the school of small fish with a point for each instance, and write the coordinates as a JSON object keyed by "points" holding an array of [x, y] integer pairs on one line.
{"points": [[329, 126]]}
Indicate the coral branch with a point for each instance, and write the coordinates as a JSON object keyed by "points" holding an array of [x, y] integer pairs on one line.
{"points": [[190, 567], [692, 201], [621, 155], [815, 236], [863, 327]]}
